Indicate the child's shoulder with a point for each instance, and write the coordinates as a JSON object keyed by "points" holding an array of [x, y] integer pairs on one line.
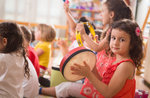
{"points": [[127, 65]]}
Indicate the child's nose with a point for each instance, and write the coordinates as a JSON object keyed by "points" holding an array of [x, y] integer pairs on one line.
{"points": [[116, 42]]}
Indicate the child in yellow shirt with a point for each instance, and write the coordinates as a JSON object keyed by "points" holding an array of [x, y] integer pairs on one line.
{"points": [[45, 35]]}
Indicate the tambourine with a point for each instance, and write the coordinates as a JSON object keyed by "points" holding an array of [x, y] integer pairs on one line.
{"points": [[77, 55], [78, 36]]}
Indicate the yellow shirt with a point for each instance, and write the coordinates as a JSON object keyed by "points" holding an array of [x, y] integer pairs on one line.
{"points": [[44, 58]]}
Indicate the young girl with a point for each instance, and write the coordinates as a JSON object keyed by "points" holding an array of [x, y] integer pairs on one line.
{"points": [[112, 10], [30, 85], [118, 80], [31, 53], [13, 63], [45, 34]]}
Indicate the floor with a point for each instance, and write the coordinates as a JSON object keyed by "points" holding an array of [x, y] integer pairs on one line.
{"points": [[139, 85]]}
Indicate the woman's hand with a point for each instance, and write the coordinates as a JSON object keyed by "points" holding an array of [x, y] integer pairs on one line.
{"points": [[81, 70]]}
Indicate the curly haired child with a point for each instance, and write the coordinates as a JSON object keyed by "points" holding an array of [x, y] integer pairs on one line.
{"points": [[118, 80]]}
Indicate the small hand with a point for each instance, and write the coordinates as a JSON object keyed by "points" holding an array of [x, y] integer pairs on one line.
{"points": [[108, 34], [80, 28], [78, 69], [62, 44], [66, 7]]}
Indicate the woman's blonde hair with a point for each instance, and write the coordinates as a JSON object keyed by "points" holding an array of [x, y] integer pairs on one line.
{"points": [[47, 32]]}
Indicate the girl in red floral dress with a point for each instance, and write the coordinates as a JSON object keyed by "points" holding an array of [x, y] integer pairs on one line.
{"points": [[118, 79]]}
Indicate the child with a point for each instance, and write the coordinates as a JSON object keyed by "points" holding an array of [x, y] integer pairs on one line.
{"points": [[30, 85], [112, 10], [118, 80], [45, 34], [13, 62], [63, 45], [31, 53], [110, 13]]}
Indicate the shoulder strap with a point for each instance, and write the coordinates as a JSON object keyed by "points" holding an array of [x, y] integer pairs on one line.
{"points": [[127, 60]]}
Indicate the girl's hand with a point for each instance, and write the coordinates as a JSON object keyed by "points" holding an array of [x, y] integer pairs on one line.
{"points": [[66, 7], [81, 70], [62, 44], [80, 28], [107, 34]]}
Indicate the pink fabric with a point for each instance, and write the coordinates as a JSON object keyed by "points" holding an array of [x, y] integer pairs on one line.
{"points": [[103, 60], [127, 91]]}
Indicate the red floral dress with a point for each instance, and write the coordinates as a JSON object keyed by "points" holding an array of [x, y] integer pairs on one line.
{"points": [[127, 91]]}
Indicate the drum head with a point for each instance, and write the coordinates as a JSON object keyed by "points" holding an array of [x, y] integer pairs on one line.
{"points": [[77, 55]]}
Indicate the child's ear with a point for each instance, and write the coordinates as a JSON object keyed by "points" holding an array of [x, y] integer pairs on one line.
{"points": [[112, 14], [5, 41]]}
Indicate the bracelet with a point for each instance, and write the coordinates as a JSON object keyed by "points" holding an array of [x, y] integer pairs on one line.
{"points": [[40, 90]]}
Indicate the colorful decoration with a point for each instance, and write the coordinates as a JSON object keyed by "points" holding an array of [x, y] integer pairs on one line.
{"points": [[137, 31]]}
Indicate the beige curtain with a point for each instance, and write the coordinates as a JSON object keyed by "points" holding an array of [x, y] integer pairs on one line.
{"points": [[41, 11]]}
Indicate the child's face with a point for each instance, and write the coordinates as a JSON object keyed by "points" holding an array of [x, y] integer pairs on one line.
{"points": [[106, 15], [120, 42], [26, 44], [37, 34]]}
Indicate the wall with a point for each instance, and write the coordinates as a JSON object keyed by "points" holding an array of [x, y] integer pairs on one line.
{"points": [[38, 11], [147, 63], [142, 11]]}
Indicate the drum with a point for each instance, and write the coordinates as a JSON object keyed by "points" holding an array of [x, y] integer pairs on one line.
{"points": [[77, 55]]}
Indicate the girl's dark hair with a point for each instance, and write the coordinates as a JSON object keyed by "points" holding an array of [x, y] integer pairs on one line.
{"points": [[26, 33], [33, 35], [136, 41], [120, 9], [83, 19], [15, 39]]}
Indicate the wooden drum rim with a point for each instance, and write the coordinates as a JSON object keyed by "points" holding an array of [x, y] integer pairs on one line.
{"points": [[71, 54]]}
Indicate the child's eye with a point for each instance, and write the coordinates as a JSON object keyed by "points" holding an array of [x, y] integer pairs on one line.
{"points": [[113, 38], [121, 40]]}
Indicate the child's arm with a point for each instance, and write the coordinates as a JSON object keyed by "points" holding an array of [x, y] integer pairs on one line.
{"points": [[95, 72], [123, 72], [39, 51], [63, 46], [70, 19], [103, 44]]}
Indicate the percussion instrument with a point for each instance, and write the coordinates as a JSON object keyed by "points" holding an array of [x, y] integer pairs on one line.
{"points": [[78, 36], [77, 55]]}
